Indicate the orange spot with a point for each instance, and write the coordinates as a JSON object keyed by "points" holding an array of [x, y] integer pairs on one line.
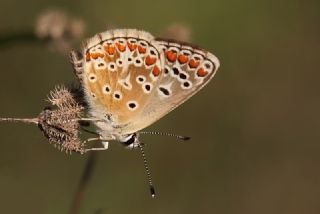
{"points": [[150, 60], [132, 47], [96, 55], [201, 72], [156, 71], [193, 63], [109, 49], [88, 56], [142, 49], [183, 59], [171, 56], [121, 47]]}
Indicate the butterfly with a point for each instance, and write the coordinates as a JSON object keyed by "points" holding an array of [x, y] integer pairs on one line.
{"points": [[131, 79]]}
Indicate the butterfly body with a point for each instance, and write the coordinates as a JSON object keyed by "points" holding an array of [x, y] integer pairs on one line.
{"points": [[131, 79]]}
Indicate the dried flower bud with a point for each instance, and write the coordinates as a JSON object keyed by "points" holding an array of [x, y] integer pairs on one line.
{"points": [[178, 31], [59, 29]]}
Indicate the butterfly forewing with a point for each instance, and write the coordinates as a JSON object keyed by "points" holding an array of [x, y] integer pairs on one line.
{"points": [[186, 70], [133, 79]]}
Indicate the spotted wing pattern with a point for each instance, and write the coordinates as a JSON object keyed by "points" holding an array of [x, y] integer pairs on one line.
{"points": [[131, 80]]}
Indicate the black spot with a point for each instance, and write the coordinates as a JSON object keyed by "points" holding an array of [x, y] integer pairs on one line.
{"points": [[120, 62], [107, 89], [121, 41], [186, 84], [92, 77], [117, 96], [197, 58], [140, 79], [138, 61], [175, 71], [207, 65], [143, 44], [112, 66], [166, 70], [129, 59], [164, 91], [147, 87], [132, 105], [182, 76], [152, 52], [100, 64], [126, 84]]}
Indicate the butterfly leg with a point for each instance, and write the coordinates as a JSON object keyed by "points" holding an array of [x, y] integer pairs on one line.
{"points": [[76, 60], [103, 142]]}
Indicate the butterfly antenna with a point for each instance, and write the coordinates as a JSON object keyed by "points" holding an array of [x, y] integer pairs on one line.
{"points": [[23, 120], [146, 167], [180, 137]]}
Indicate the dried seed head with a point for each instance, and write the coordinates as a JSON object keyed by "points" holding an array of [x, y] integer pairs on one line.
{"points": [[59, 29], [178, 31], [61, 125]]}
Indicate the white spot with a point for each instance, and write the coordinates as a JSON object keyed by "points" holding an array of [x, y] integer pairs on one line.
{"points": [[108, 42], [126, 82], [138, 62], [112, 67], [92, 78], [106, 89], [100, 64], [153, 52], [119, 62], [132, 41], [147, 87], [165, 90], [186, 84], [185, 52], [132, 105], [207, 65], [140, 79], [183, 76], [117, 95], [93, 95]]}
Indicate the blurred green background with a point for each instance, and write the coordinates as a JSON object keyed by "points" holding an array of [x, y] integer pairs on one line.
{"points": [[255, 140]]}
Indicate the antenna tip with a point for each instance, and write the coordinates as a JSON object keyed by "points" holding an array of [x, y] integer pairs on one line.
{"points": [[152, 191], [185, 138]]}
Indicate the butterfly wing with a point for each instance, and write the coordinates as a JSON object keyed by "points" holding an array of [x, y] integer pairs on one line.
{"points": [[185, 71], [131, 80], [118, 76]]}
